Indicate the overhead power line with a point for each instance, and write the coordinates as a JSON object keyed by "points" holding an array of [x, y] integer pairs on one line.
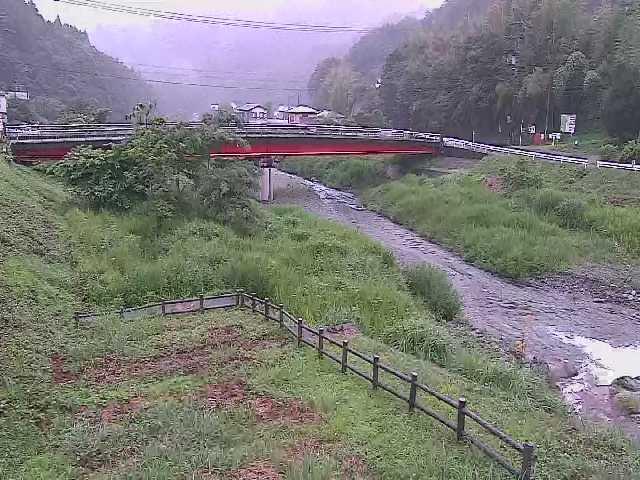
{"points": [[213, 20], [165, 82]]}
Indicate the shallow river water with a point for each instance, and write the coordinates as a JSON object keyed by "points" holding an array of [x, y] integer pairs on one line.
{"points": [[586, 342]]}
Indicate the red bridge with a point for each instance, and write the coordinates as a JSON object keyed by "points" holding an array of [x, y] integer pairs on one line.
{"points": [[44, 143]]}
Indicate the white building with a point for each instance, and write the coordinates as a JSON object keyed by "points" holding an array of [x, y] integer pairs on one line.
{"points": [[282, 112], [301, 114], [18, 92], [252, 111]]}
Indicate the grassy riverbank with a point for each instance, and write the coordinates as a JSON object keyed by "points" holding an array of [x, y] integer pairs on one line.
{"points": [[517, 218], [56, 257]]}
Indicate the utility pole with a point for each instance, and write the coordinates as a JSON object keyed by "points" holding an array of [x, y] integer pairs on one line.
{"points": [[3, 116]]}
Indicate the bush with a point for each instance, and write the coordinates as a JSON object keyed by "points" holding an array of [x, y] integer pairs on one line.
{"points": [[630, 152], [572, 213], [520, 175], [609, 153], [545, 202], [434, 288]]}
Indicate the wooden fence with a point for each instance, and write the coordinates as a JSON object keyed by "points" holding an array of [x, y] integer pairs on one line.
{"points": [[342, 354]]}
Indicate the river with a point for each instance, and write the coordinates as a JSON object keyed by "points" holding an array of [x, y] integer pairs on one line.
{"points": [[583, 340]]}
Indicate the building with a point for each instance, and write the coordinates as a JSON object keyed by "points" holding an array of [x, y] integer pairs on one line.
{"points": [[301, 114], [17, 91], [282, 112], [329, 115], [252, 111]]}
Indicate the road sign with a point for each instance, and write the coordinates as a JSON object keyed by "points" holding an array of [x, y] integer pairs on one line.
{"points": [[568, 123]]}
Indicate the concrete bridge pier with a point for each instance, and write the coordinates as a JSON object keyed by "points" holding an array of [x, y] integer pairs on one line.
{"points": [[267, 169]]}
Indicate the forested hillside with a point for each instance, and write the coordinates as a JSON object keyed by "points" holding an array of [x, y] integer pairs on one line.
{"points": [[487, 67], [64, 74]]}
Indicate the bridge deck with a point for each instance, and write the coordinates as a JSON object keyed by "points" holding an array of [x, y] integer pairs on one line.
{"points": [[33, 143]]}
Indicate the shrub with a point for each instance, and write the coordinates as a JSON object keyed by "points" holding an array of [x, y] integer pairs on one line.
{"points": [[546, 201], [572, 213], [434, 288], [520, 175], [630, 152], [609, 153]]}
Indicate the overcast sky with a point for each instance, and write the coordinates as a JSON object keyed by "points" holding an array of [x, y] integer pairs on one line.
{"points": [[352, 12]]}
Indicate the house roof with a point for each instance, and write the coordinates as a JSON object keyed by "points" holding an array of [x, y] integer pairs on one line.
{"points": [[303, 109], [247, 107], [330, 114]]}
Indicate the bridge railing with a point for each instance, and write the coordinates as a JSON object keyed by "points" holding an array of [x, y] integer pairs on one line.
{"points": [[76, 132]]}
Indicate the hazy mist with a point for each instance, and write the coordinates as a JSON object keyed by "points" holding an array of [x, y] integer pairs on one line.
{"points": [[272, 66]]}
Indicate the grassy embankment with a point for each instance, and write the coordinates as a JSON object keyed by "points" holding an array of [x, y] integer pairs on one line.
{"points": [[145, 411], [517, 218], [588, 144]]}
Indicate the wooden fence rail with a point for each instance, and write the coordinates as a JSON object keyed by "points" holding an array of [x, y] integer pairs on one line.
{"points": [[321, 342]]}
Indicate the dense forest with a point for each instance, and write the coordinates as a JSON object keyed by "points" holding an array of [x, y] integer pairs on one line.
{"points": [[492, 67], [66, 77]]}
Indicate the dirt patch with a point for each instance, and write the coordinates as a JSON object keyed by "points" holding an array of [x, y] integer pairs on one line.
{"points": [[225, 395], [494, 184], [112, 370], [60, 373], [116, 412], [346, 331], [256, 471], [307, 447], [355, 468], [292, 412], [226, 335]]}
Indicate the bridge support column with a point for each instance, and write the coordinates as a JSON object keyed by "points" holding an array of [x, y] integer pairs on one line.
{"points": [[267, 168], [266, 184]]}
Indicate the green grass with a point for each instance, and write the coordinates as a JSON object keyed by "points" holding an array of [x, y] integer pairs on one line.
{"points": [[349, 172], [435, 289], [547, 219], [588, 143], [61, 259]]}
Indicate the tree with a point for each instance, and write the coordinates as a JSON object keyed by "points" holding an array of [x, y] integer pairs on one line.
{"points": [[621, 110], [167, 171]]}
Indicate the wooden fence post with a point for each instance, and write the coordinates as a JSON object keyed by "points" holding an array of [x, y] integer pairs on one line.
{"points": [[241, 298], [76, 319], [253, 302], [299, 332], [374, 378], [267, 304], [320, 342], [462, 404], [163, 308], [122, 312], [201, 303], [238, 297], [413, 392], [281, 315], [528, 461], [345, 353]]}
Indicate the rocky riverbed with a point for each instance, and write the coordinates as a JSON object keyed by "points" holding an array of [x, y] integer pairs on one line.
{"points": [[586, 341]]}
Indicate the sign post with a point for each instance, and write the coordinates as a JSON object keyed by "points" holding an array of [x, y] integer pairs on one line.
{"points": [[568, 123]]}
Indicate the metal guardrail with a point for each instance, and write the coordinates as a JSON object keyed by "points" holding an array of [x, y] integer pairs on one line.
{"points": [[485, 148], [619, 166], [341, 354]]}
